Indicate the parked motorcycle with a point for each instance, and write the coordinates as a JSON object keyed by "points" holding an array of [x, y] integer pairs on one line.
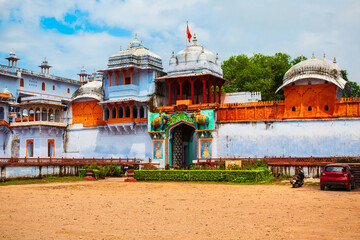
{"points": [[298, 180]]}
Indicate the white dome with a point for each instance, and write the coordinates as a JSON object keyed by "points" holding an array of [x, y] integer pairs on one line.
{"points": [[6, 91], [315, 68], [194, 59], [90, 90]]}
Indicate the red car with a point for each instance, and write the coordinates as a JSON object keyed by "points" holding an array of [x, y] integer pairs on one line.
{"points": [[337, 175]]}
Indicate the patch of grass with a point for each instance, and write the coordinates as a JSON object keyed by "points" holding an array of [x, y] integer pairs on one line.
{"points": [[49, 179]]}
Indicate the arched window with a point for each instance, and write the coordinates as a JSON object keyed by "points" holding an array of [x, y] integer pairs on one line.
{"points": [[293, 109], [24, 114], [326, 108], [51, 115], [37, 115], [31, 115], [51, 148], [127, 112], [68, 90], [113, 112], [30, 148], [134, 112], [2, 114], [43, 86], [53, 87], [44, 115], [57, 115], [120, 112], [309, 108], [142, 112], [21, 82], [106, 113]]}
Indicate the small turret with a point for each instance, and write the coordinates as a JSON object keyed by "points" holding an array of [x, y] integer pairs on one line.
{"points": [[12, 58], [83, 75], [45, 67]]}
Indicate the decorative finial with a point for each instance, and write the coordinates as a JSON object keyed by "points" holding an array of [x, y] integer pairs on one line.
{"points": [[292, 62], [173, 54], [217, 56], [120, 48], [334, 59], [128, 46], [324, 55], [135, 35], [194, 39], [302, 58], [313, 55]]}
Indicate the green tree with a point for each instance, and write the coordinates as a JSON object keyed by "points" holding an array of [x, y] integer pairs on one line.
{"points": [[354, 87], [258, 73], [298, 59]]}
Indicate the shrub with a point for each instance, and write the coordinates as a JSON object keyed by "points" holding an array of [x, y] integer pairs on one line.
{"points": [[97, 173], [205, 175], [149, 166], [254, 164], [82, 172], [112, 170]]}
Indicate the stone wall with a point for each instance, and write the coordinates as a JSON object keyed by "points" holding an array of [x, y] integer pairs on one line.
{"points": [[295, 138]]}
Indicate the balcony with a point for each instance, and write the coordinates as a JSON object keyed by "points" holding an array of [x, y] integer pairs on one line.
{"points": [[38, 123], [129, 90]]}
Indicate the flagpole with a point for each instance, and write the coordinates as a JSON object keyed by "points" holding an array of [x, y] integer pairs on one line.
{"points": [[186, 40]]}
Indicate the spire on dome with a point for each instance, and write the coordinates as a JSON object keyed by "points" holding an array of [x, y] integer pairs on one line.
{"points": [[324, 55], [136, 43], [195, 39], [334, 59], [313, 56], [12, 53], [302, 58]]}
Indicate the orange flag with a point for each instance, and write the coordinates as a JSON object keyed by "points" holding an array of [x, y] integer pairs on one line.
{"points": [[188, 32]]}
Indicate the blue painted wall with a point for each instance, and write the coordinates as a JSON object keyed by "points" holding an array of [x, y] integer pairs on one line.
{"points": [[296, 138]]}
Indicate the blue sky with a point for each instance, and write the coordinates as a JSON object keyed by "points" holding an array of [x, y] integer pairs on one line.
{"points": [[72, 34]]}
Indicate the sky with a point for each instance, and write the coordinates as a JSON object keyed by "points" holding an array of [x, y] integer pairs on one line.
{"points": [[72, 34]]}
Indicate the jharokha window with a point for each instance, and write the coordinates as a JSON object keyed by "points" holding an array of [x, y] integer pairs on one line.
{"points": [[43, 86], [30, 148], [21, 82]]}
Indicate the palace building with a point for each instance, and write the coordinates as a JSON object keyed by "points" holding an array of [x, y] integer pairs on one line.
{"points": [[133, 108]]}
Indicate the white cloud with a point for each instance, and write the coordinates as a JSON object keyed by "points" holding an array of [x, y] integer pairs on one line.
{"points": [[227, 27]]}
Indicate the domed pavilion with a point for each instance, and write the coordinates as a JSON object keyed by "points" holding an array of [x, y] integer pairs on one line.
{"points": [[194, 74]]}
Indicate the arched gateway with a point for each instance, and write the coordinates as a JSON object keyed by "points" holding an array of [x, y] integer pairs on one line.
{"points": [[180, 137], [182, 143]]}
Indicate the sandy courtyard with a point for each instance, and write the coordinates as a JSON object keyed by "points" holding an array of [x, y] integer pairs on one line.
{"points": [[111, 209]]}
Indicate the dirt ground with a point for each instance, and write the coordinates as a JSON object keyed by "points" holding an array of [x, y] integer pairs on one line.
{"points": [[112, 209]]}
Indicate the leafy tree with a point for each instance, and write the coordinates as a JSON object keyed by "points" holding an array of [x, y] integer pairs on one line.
{"points": [[298, 59], [258, 73], [354, 87]]}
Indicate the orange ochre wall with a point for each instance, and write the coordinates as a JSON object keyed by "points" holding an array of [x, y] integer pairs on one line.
{"points": [[320, 97], [88, 113]]}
